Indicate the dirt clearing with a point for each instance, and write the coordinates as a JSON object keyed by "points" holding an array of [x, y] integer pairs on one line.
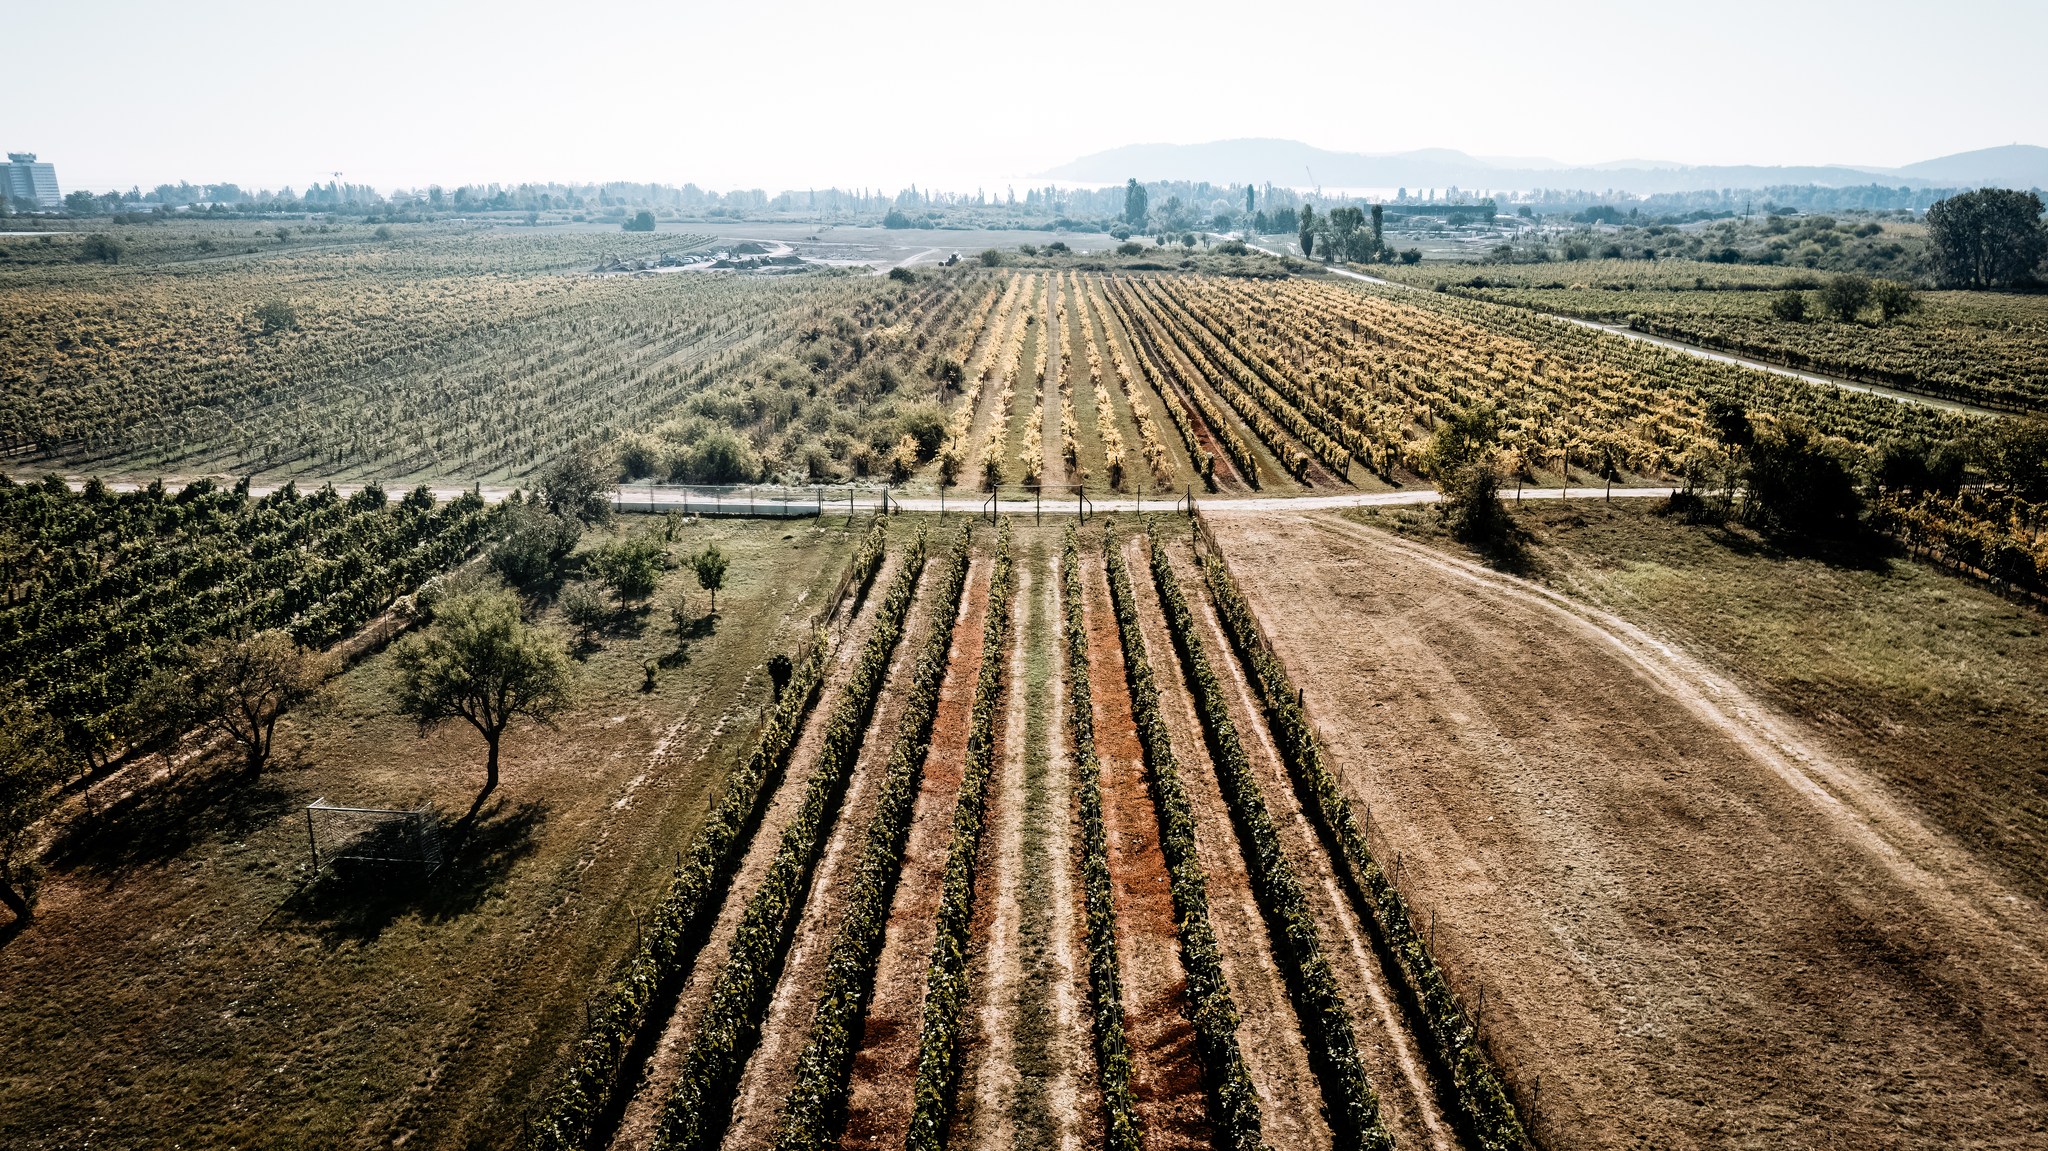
{"points": [[1696, 927]]}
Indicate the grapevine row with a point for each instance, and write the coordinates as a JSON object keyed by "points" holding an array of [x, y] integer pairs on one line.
{"points": [[818, 1095], [587, 1089], [700, 1103], [1238, 1119], [945, 997], [1121, 1127], [1354, 1107]]}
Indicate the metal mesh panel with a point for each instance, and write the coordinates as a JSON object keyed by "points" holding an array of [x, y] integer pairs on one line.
{"points": [[367, 838]]}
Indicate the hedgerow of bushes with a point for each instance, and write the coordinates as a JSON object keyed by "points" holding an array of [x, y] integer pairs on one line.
{"points": [[700, 1104], [678, 924], [946, 979], [1121, 1128], [1354, 1108], [1482, 1107], [1238, 1120], [817, 1097]]}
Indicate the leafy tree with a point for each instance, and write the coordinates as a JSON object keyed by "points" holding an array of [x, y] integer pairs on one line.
{"points": [[579, 484], [630, 568], [1136, 203], [241, 687], [1987, 238], [1845, 295], [1248, 200], [1913, 465], [1800, 483], [29, 775], [642, 221], [896, 219], [534, 542], [1464, 459], [710, 565], [1411, 256], [585, 610], [1894, 299], [1307, 230], [1789, 306], [81, 203], [2016, 456], [480, 662], [990, 258]]}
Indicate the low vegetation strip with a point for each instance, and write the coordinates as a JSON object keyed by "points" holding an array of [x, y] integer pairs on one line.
{"points": [[1121, 1128], [621, 1021], [818, 1096], [938, 1067], [1354, 1107], [1238, 1121], [1480, 1100], [700, 1104]]}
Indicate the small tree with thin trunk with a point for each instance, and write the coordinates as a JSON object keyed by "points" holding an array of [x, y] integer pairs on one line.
{"points": [[480, 662], [241, 687], [710, 564], [29, 775]]}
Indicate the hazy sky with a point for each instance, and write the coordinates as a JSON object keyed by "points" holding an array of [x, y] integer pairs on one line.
{"points": [[754, 93]]}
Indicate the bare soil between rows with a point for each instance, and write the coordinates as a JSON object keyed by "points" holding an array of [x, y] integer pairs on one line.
{"points": [[1275, 1051], [885, 1065], [1166, 1071]]}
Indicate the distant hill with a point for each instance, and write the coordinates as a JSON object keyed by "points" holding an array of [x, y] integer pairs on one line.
{"points": [[2011, 166], [1293, 164]]}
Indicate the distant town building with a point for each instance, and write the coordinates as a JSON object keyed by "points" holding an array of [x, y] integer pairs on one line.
{"points": [[27, 182]]}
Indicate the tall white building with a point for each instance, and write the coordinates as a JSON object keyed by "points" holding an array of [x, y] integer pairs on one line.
{"points": [[27, 182]]}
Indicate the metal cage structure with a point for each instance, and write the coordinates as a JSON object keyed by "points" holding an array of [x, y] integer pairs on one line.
{"points": [[350, 840]]}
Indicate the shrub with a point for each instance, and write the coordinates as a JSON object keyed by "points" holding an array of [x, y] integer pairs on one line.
{"points": [[1789, 306], [1845, 295]]}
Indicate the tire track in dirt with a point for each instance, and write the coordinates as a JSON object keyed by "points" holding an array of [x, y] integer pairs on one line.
{"points": [[642, 1113], [1394, 1063], [1691, 948], [786, 1025], [1275, 1051], [885, 1067], [1166, 1065]]}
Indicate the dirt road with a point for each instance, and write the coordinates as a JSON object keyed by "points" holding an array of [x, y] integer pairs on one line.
{"points": [[1697, 925]]}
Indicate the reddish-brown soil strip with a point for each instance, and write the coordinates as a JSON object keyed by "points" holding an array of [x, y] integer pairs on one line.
{"points": [[1166, 1065], [1394, 1063], [786, 1026], [885, 1067], [1275, 1052], [643, 1111]]}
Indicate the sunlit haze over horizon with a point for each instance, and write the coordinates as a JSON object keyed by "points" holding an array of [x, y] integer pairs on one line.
{"points": [[795, 95]]}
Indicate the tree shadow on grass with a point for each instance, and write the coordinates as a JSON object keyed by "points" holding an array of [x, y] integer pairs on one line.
{"points": [[164, 819], [357, 905]]}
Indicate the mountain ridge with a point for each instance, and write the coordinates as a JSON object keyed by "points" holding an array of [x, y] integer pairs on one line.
{"points": [[1290, 163]]}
